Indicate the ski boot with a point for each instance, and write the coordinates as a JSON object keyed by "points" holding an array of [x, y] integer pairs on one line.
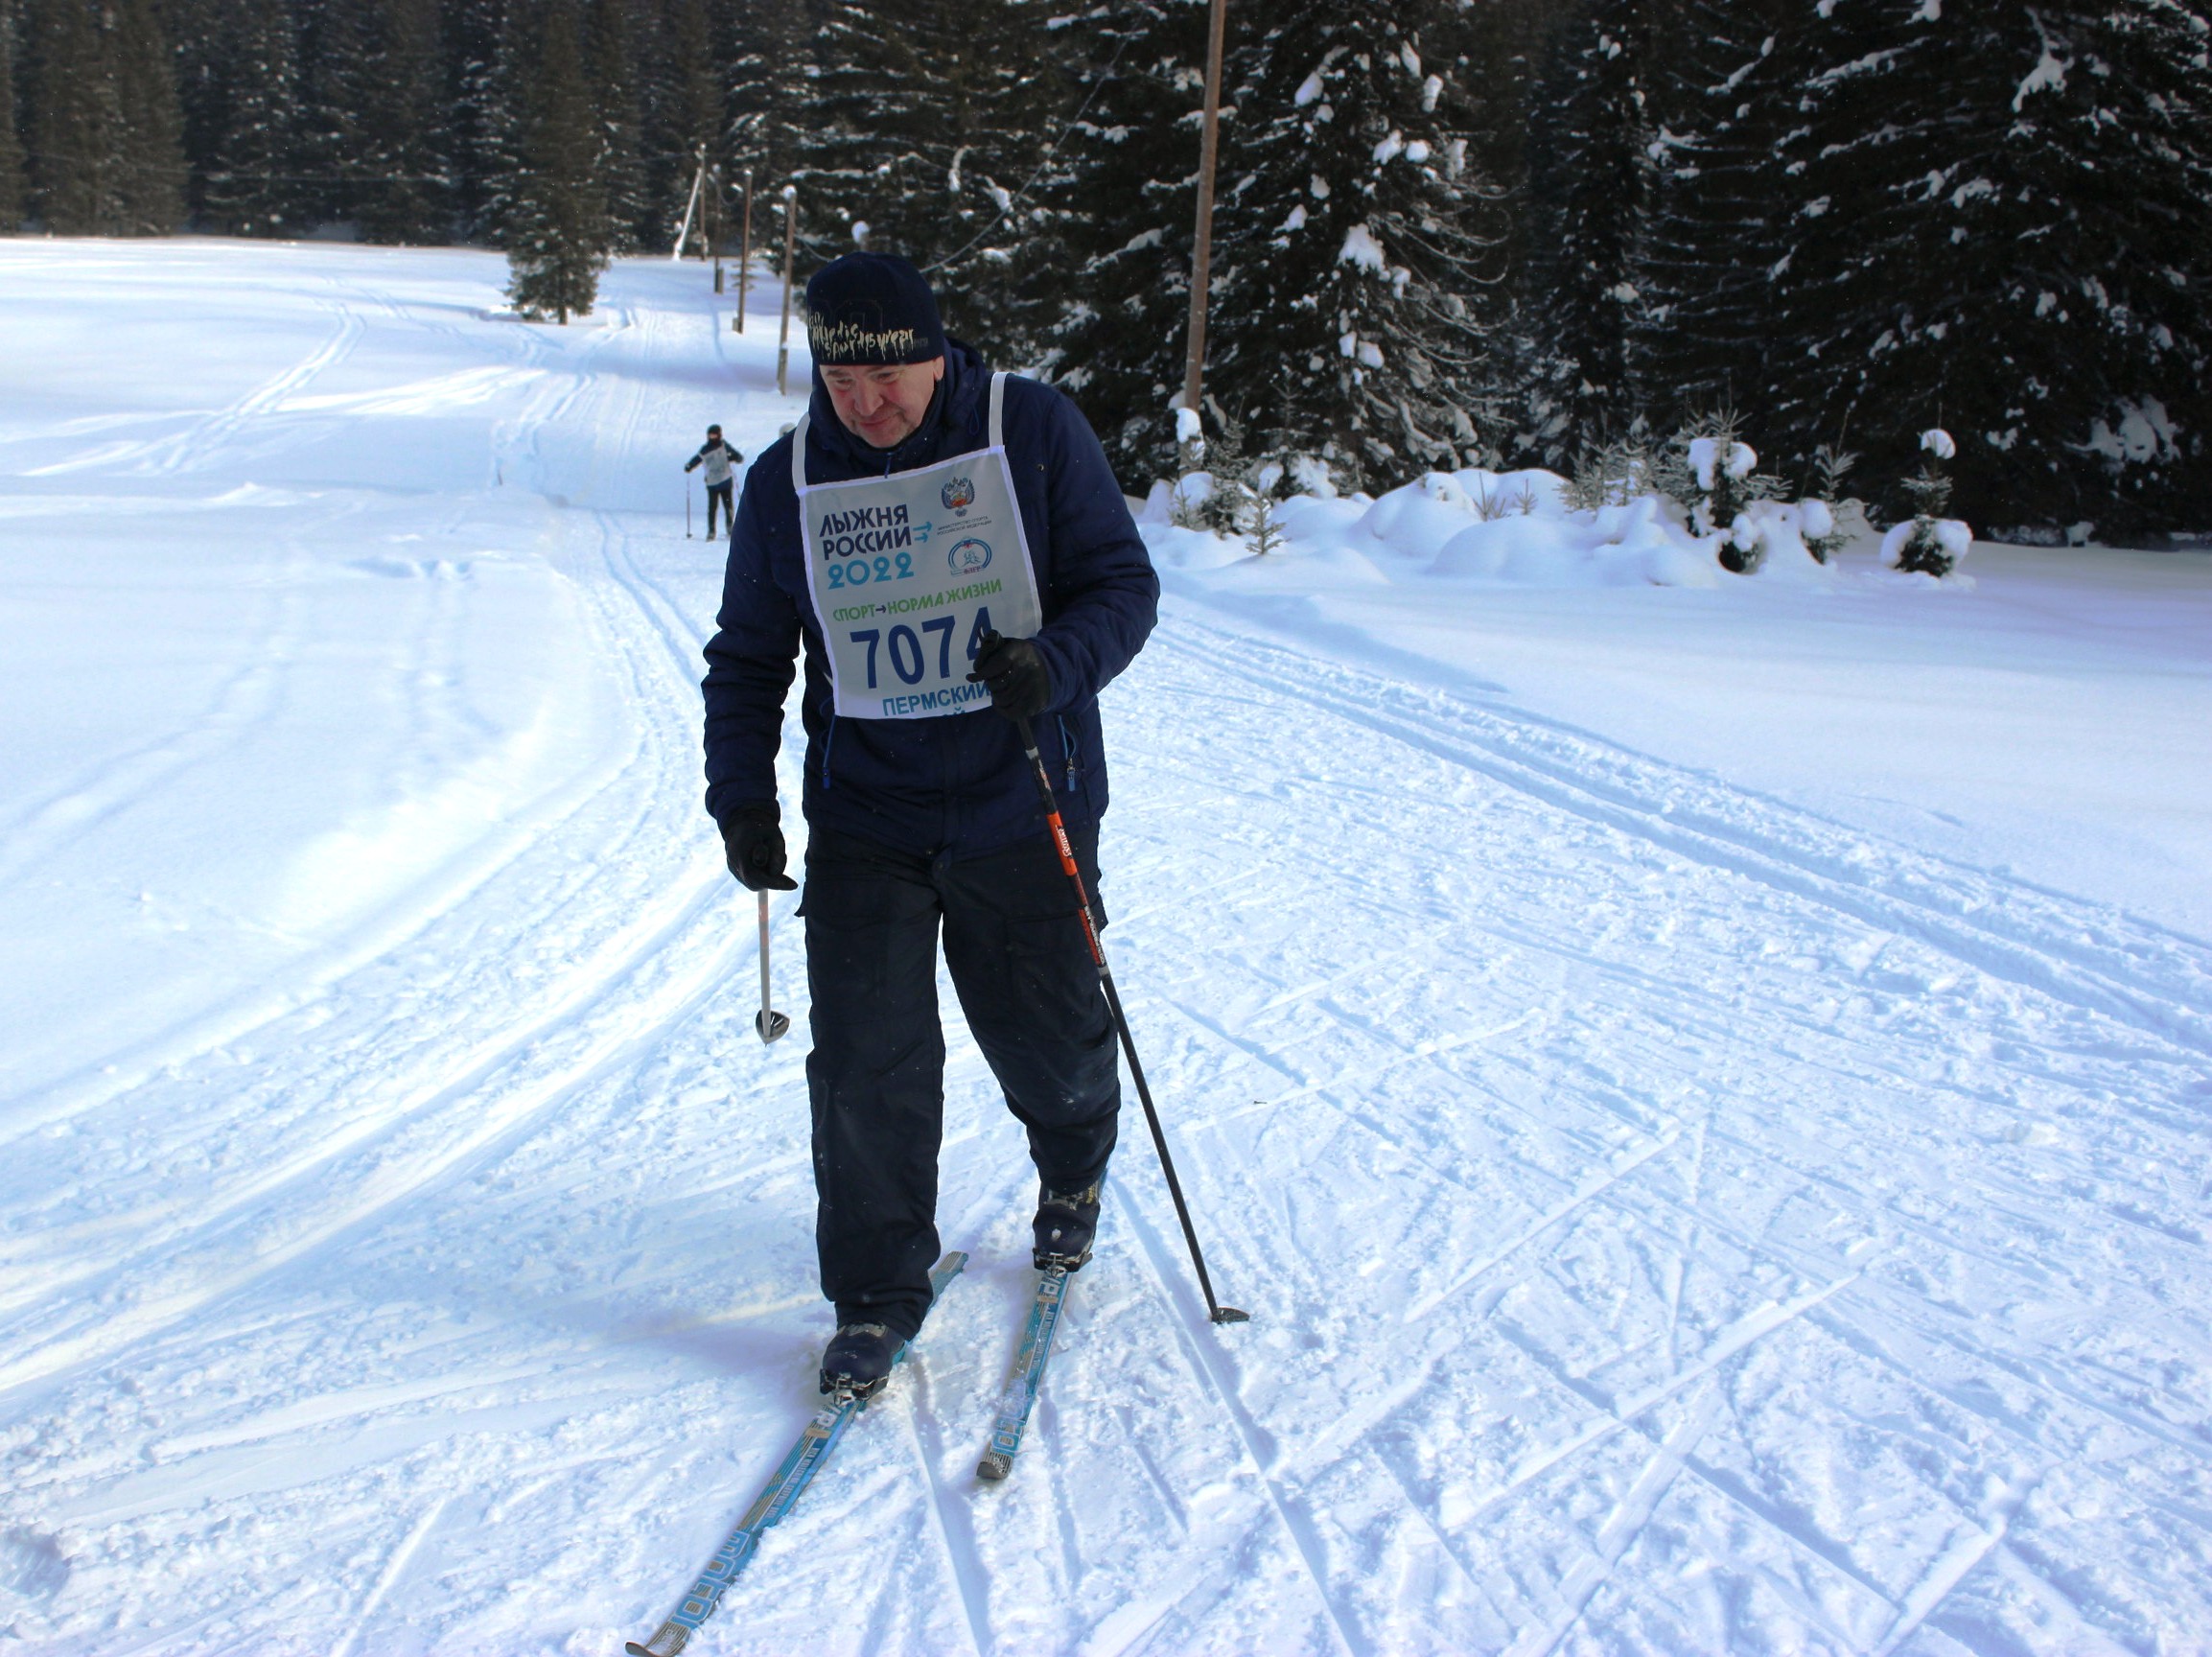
{"points": [[1065, 1223], [857, 1360]]}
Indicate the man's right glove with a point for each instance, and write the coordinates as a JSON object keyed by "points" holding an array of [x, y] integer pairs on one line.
{"points": [[753, 842]]}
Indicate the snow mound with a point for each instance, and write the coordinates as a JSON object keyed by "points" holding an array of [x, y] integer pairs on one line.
{"points": [[1516, 527]]}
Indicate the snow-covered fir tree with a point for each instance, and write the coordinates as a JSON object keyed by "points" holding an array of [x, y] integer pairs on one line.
{"points": [[688, 117], [769, 45], [1590, 182], [403, 190], [1724, 92], [557, 231], [106, 124], [473, 31], [332, 65], [609, 66], [12, 181], [1129, 193], [1356, 245], [933, 140], [2005, 233], [255, 180]]}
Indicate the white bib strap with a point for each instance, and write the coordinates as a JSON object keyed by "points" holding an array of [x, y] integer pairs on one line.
{"points": [[998, 410], [798, 457]]}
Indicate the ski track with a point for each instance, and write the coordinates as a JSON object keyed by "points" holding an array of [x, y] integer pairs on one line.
{"points": [[1673, 1222]]}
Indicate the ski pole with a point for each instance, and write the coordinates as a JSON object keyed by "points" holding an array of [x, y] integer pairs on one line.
{"points": [[687, 509], [770, 1024], [1218, 1313]]}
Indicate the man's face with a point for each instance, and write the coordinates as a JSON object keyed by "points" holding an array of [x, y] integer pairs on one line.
{"points": [[882, 403]]}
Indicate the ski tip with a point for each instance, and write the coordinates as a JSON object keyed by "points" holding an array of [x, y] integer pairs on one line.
{"points": [[994, 1467], [1230, 1315]]}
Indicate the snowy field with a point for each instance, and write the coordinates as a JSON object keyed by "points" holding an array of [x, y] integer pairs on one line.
{"points": [[1705, 1091]]}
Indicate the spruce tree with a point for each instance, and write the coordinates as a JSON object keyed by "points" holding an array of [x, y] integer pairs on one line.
{"points": [[403, 191], [474, 121], [75, 121], [934, 141], [1591, 185], [2011, 243], [1724, 97], [11, 175], [150, 188], [1355, 245], [558, 234], [687, 115], [256, 182], [1128, 195], [769, 47], [330, 95], [610, 68]]}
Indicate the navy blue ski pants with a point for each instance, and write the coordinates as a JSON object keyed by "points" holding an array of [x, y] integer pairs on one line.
{"points": [[1015, 946]]}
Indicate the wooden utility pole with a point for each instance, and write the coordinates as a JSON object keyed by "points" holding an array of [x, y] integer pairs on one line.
{"points": [[1203, 247], [714, 220], [745, 253], [790, 247]]}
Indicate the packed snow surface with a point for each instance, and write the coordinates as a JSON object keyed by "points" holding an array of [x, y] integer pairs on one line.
{"points": [[1703, 1088]]}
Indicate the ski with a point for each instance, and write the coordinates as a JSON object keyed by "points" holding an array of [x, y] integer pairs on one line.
{"points": [[777, 1498], [1020, 1395]]}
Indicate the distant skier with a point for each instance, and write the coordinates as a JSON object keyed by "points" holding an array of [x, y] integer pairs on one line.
{"points": [[718, 458], [945, 542]]}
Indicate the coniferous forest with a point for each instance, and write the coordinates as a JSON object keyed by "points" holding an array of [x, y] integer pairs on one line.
{"points": [[1447, 232]]}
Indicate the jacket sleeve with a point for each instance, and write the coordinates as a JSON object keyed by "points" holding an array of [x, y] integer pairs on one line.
{"points": [[1103, 595], [692, 464], [751, 658]]}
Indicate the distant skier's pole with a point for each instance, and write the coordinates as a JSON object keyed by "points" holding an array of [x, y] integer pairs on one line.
{"points": [[1202, 246], [790, 245], [745, 253], [687, 509], [1218, 1313]]}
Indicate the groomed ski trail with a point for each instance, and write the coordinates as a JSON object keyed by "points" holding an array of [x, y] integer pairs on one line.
{"points": [[1671, 1221]]}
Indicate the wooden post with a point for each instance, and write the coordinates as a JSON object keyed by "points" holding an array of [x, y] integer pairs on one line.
{"points": [[1202, 249], [791, 263], [745, 253], [713, 225]]}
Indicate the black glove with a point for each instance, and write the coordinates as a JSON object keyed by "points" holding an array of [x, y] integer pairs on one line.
{"points": [[1020, 683], [752, 841]]}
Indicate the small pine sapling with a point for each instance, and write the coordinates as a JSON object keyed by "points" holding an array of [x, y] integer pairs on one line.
{"points": [[1186, 505], [1928, 543], [1829, 463], [1714, 474], [1611, 475]]}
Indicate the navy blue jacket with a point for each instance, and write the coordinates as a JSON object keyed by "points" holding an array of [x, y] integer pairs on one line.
{"points": [[958, 784]]}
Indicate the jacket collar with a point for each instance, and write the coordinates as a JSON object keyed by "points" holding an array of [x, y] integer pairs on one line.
{"points": [[952, 425]]}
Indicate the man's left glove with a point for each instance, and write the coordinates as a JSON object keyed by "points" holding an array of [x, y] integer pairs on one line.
{"points": [[753, 842], [1020, 683]]}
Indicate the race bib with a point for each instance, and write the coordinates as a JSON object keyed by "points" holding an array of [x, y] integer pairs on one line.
{"points": [[908, 572]]}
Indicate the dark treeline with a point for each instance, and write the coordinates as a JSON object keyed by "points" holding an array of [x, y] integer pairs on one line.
{"points": [[1449, 231]]}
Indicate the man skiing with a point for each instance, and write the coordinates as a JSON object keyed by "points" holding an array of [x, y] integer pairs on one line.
{"points": [[718, 458], [952, 551]]}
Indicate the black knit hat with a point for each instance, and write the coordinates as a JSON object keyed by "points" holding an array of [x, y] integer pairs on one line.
{"points": [[872, 309]]}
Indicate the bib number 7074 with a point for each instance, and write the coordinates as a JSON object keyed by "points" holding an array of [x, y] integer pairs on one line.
{"points": [[909, 657]]}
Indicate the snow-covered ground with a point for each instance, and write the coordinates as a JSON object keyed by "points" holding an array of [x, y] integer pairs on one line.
{"points": [[1705, 1091]]}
